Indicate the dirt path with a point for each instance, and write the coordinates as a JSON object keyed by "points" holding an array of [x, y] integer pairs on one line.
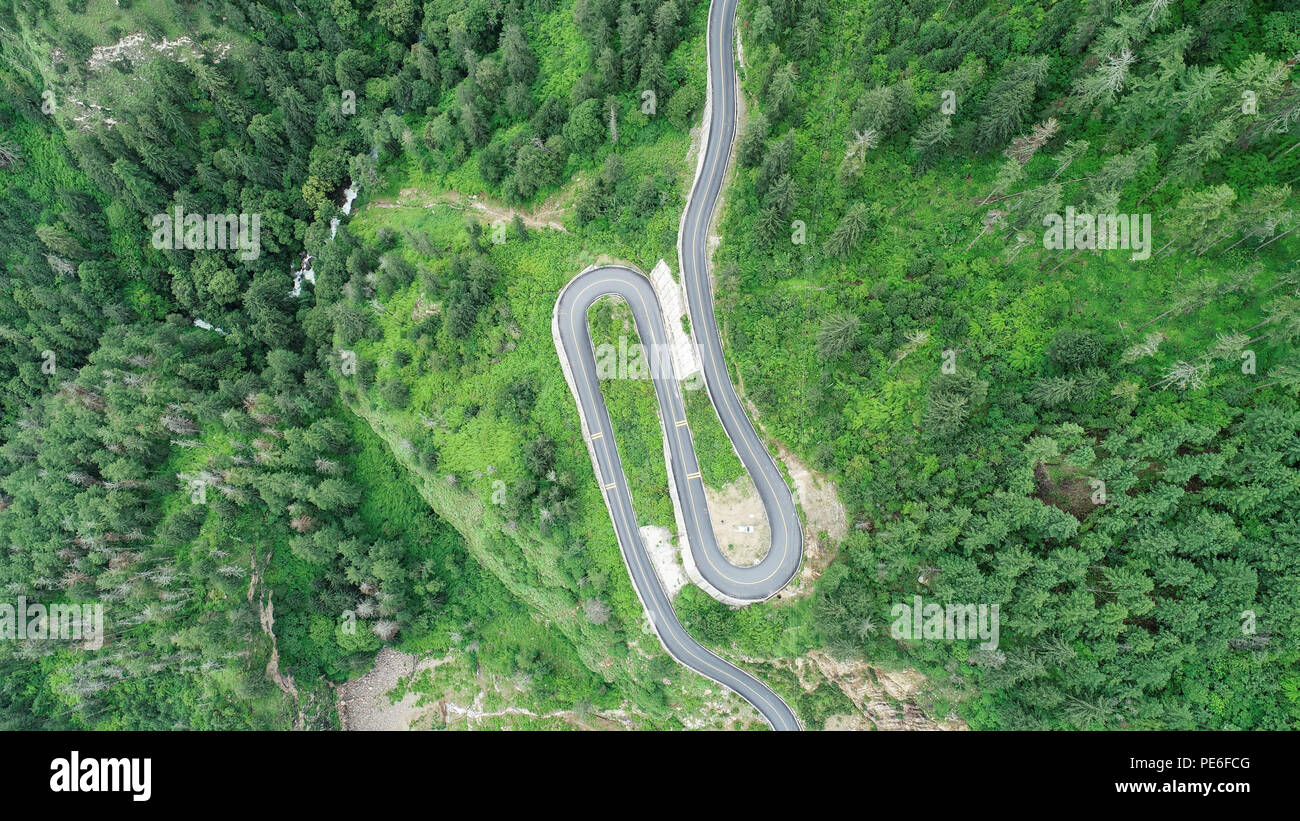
{"points": [[547, 216]]}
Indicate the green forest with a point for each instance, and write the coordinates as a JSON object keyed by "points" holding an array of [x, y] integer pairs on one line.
{"points": [[267, 467]]}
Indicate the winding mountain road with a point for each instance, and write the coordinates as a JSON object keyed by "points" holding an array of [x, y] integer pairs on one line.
{"points": [[574, 345]]}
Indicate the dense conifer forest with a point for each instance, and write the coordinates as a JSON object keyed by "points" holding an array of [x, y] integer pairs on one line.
{"points": [[267, 462]]}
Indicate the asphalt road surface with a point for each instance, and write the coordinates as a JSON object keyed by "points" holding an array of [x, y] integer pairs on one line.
{"points": [[769, 576]]}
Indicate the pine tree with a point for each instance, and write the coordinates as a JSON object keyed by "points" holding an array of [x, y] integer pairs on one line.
{"points": [[934, 134], [838, 335], [781, 93], [520, 62], [1202, 216], [851, 231]]}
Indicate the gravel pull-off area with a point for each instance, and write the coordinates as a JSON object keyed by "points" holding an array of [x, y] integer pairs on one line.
{"points": [[739, 522]]}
